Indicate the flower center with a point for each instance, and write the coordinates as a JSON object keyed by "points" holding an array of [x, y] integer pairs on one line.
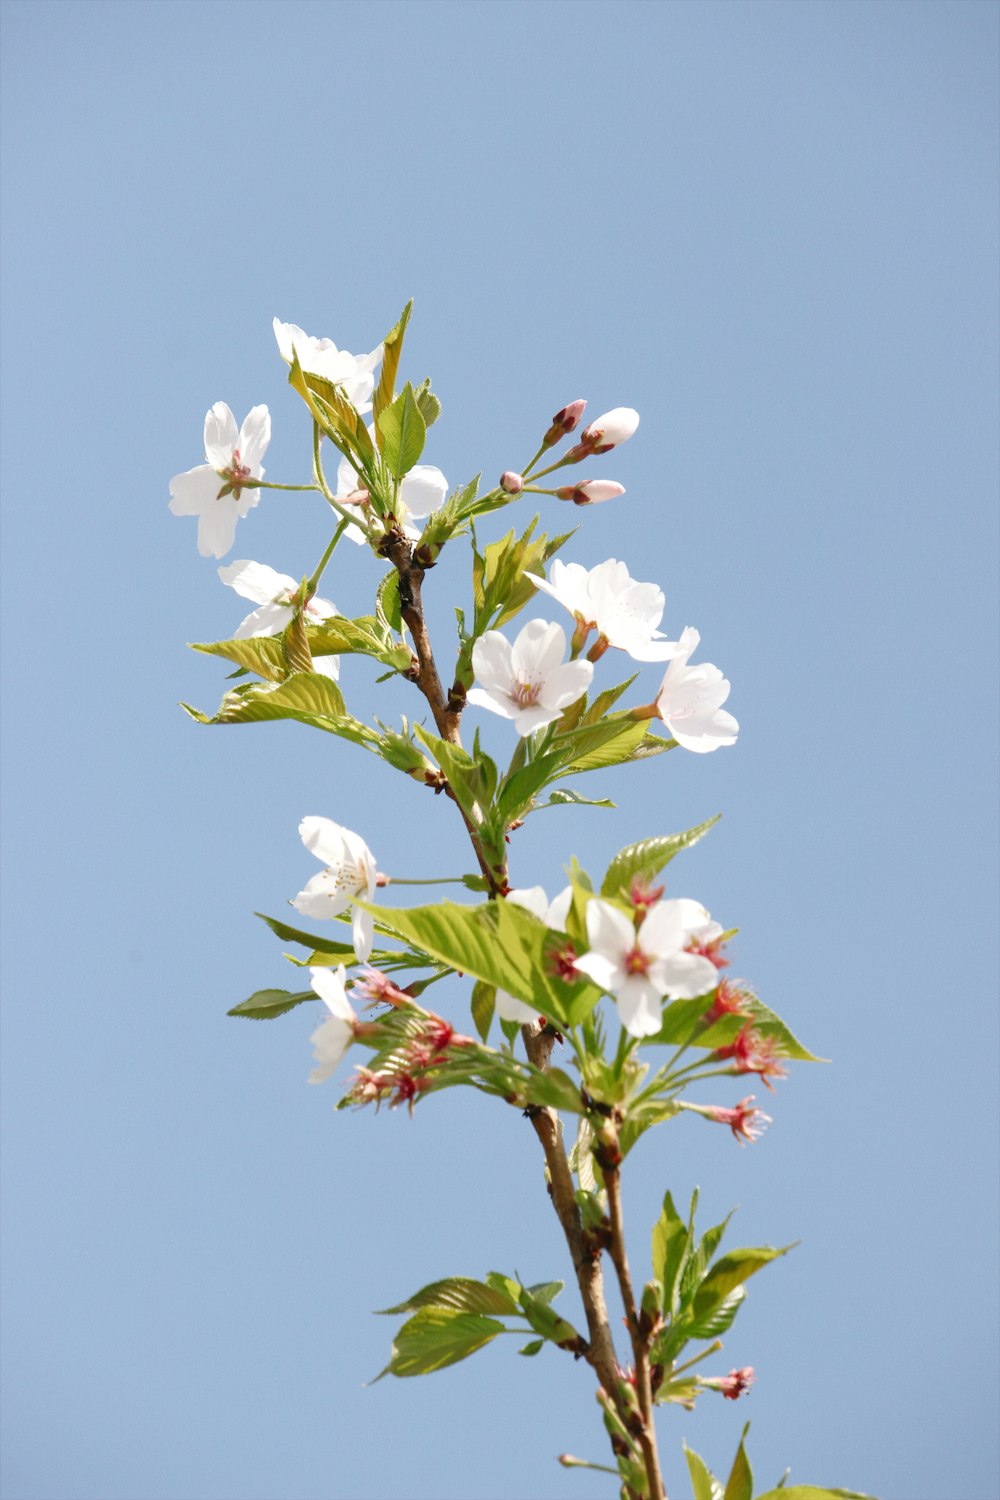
{"points": [[525, 693], [637, 962], [234, 476]]}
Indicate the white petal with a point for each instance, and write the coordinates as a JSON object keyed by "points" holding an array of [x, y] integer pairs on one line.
{"points": [[640, 1009], [329, 986], [270, 619], [540, 646], [491, 662], [685, 976], [256, 581], [327, 666], [509, 1009], [217, 528], [324, 838], [330, 1041], [532, 898], [535, 716], [609, 930], [363, 928], [423, 490], [606, 972], [558, 913], [495, 702], [255, 434], [663, 930], [322, 898], [565, 683], [220, 435], [347, 479], [721, 729], [194, 490]]}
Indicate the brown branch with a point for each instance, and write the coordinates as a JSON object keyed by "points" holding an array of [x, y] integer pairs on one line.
{"points": [[640, 1342]]}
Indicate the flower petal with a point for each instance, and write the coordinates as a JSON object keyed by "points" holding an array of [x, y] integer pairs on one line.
{"points": [[531, 898], [685, 976], [322, 898], [220, 435], [255, 434], [423, 490], [492, 662], [565, 683], [640, 1008], [324, 838], [329, 986], [270, 619], [509, 1009], [539, 647], [363, 932], [194, 490], [217, 528], [256, 581]]}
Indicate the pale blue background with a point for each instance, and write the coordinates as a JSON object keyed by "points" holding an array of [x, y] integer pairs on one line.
{"points": [[771, 228]]}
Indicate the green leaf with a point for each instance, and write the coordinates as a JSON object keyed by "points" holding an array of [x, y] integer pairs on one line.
{"points": [[647, 858], [364, 636], [544, 1320], [392, 348], [265, 1004], [289, 934], [435, 1337], [739, 1485], [430, 406], [332, 412], [497, 942], [263, 654], [472, 779], [670, 1244], [388, 605], [704, 1484], [535, 1347], [812, 1492], [484, 999], [730, 1271], [620, 740], [569, 798], [718, 1319], [460, 1294], [403, 432]]}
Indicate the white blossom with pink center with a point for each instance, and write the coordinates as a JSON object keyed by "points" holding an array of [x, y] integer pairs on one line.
{"points": [[606, 599], [421, 492], [641, 968], [690, 701], [350, 872], [216, 491], [527, 680]]}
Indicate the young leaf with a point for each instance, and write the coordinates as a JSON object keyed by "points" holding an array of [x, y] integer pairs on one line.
{"points": [[460, 1294], [263, 654], [670, 1245], [484, 999], [266, 1004], [812, 1492], [403, 433], [388, 605], [739, 1485], [392, 348], [309, 697], [430, 406], [730, 1271], [535, 1347], [435, 1337], [644, 860], [704, 1484]]}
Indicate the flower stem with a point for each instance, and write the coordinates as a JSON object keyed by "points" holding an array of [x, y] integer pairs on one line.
{"points": [[320, 566], [439, 880], [266, 484], [322, 485]]}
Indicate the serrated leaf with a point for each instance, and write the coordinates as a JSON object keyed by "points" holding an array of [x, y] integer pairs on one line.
{"points": [[484, 999], [263, 1005], [670, 1245], [730, 1271], [460, 1294], [569, 798], [704, 1484], [647, 858], [289, 934], [263, 654], [363, 636], [436, 1337], [739, 1485], [388, 605], [403, 432], [630, 740], [430, 406], [331, 411], [719, 1319]]}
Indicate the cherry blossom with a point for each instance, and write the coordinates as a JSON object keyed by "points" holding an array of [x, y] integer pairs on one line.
{"points": [[275, 593], [606, 599], [745, 1120], [334, 1035], [354, 373], [217, 491], [554, 914], [591, 491], [751, 1052], [640, 968], [350, 872], [527, 681], [690, 698]]}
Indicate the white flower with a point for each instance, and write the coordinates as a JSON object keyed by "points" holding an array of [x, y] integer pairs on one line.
{"points": [[274, 592], [528, 681], [334, 1035], [216, 490], [421, 492], [553, 914], [354, 373], [640, 968], [591, 491], [625, 613], [689, 701], [610, 429], [350, 872]]}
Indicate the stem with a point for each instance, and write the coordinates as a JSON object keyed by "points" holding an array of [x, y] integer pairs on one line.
{"points": [[586, 1260], [440, 880], [266, 484], [324, 488], [640, 1341], [320, 566]]}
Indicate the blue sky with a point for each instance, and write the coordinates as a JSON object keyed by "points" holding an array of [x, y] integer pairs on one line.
{"points": [[770, 227]]}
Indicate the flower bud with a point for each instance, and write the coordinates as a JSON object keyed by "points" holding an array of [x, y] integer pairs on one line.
{"points": [[564, 421], [591, 491], [609, 430], [511, 483]]}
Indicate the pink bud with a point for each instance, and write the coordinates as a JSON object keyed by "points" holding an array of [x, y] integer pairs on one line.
{"points": [[564, 421], [512, 483], [609, 430], [591, 491]]}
